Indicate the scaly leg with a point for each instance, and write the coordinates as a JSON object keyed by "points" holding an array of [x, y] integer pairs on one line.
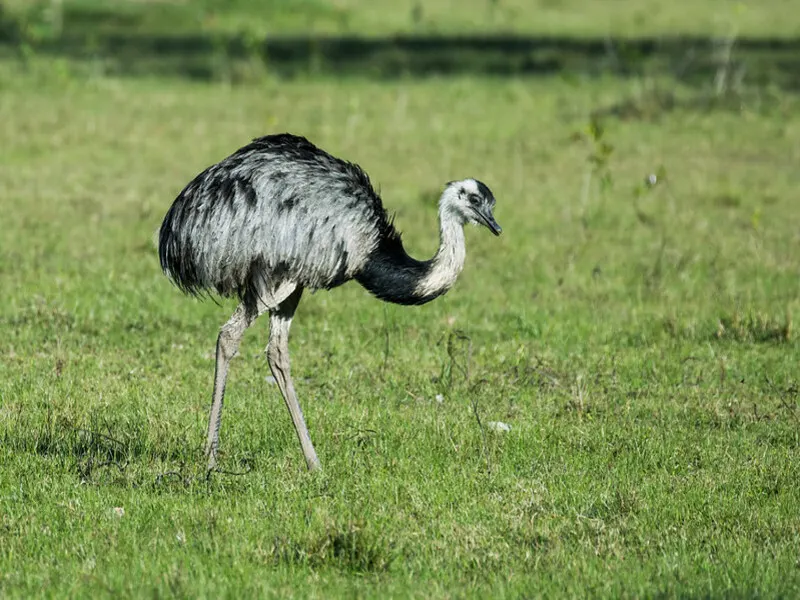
{"points": [[278, 357], [227, 344]]}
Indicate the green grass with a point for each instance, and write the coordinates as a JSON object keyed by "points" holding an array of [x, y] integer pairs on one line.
{"points": [[244, 40], [365, 17], [641, 342]]}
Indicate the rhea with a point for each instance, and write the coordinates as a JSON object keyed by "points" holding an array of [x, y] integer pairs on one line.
{"points": [[280, 215]]}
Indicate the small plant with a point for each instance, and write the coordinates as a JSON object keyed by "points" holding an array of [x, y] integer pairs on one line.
{"points": [[601, 153], [459, 354]]}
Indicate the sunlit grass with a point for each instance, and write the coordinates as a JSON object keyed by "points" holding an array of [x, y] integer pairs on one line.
{"points": [[553, 17], [640, 342]]}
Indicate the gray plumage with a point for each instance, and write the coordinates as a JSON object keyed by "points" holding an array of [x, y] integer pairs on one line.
{"points": [[277, 205], [280, 215]]}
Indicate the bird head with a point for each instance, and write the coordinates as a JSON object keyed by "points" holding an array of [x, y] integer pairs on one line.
{"points": [[472, 201]]}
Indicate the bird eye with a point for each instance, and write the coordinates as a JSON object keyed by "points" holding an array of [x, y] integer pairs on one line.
{"points": [[474, 199]]}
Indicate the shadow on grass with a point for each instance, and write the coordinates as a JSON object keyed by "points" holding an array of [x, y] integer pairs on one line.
{"points": [[130, 44], [96, 445], [349, 548]]}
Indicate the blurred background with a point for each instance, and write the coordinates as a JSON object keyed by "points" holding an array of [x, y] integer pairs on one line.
{"points": [[246, 39], [634, 327]]}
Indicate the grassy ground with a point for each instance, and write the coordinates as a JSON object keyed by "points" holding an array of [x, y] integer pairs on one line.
{"points": [[244, 40], [638, 340], [572, 17]]}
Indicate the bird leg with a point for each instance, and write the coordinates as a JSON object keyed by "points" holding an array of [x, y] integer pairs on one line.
{"points": [[278, 357], [227, 344]]}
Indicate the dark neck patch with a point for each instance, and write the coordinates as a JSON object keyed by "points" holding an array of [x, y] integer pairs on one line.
{"points": [[393, 276]]}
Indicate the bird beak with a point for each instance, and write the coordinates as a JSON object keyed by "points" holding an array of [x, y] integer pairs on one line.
{"points": [[486, 216]]}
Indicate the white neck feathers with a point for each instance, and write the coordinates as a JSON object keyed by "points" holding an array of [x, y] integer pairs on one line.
{"points": [[449, 260]]}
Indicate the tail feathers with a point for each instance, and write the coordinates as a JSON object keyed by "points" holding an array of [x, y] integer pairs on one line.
{"points": [[176, 257]]}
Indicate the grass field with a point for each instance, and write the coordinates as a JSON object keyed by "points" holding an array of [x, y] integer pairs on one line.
{"points": [[640, 340], [572, 17]]}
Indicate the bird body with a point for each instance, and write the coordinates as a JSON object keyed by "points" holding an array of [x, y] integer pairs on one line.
{"points": [[278, 205], [280, 215]]}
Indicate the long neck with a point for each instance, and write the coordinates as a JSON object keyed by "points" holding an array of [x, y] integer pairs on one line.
{"points": [[448, 262], [392, 275]]}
